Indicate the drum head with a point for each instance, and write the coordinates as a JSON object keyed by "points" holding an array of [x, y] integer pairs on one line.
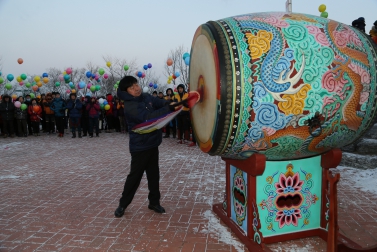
{"points": [[204, 78]]}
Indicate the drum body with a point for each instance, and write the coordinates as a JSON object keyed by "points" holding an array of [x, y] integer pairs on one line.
{"points": [[284, 85]]}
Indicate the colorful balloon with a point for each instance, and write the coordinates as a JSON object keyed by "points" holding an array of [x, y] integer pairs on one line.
{"points": [[81, 84], [73, 91], [1, 80], [145, 89], [105, 76], [21, 83], [101, 100], [44, 75], [35, 88], [20, 61], [98, 87], [61, 77], [185, 55], [324, 14], [8, 86], [36, 108], [17, 104], [23, 76], [89, 85], [187, 61], [149, 65], [23, 106], [139, 74], [39, 84], [142, 75], [169, 62], [57, 84], [177, 74], [67, 77], [88, 74], [151, 84], [322, 8], [101, 71], [68, 70], [68, 91], [32, 95], [145, 67], [107, 107], [93, 88], [10, 77], [27, 84], [18, 79], [108, 64], [126, 67], [155, 86], [37, 78], [45, 80]]}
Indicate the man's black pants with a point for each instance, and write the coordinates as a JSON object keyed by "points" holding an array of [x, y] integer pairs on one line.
{"points": [[142, 161]]}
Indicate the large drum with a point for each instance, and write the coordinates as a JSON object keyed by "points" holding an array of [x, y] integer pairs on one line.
{"points": [[285, 85]]}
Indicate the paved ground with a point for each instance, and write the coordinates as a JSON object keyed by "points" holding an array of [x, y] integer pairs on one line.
{"points": [[60, 195]]}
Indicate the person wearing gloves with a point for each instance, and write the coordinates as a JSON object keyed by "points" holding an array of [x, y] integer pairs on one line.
{"points": [[138, 108]]}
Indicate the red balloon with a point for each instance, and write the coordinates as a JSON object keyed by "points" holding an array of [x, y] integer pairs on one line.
{"points": [[174, 77], [169, 62], [20, 61], [36, 108]]}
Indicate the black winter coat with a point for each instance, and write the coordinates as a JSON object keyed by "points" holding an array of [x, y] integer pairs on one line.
{"points": [[141, 109], [7, 110]]}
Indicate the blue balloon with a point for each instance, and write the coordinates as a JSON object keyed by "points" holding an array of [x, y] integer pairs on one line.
{"points": [[67, 77], [185, 55], [145, 67], [88, 74], [10, 77], [93, 75], [89, 94], [187, 61], [44, 75], [0, 73], [139, 74], [81, 84], [177, 74], [155, 86], [105, 102], [98, 80]]}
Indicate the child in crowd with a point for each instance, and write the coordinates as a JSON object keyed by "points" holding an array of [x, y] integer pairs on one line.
{"points": [[21, 117], [93, 109], [58, 106], [35, 112]]}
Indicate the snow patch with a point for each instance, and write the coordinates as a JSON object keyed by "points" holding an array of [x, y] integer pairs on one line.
{"points": [[7, 145], [365, 180], [214, 227], [9, 177], [293, 248]]}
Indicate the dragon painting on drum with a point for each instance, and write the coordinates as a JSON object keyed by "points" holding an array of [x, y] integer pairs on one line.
{"points": [[285, 85]]}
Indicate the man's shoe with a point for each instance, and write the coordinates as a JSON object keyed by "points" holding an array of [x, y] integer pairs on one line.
{"points": [[191, 144], [119, 211], [157, 208]]}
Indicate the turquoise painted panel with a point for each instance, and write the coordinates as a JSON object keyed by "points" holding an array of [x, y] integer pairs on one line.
{"points": [[289, 196], [238, 199]]}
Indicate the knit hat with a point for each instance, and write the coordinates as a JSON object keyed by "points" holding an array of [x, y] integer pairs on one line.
{"points": [[182, 86]]}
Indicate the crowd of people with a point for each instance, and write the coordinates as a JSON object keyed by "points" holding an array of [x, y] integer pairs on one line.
{"points": [[85, 116], [360, 24]]}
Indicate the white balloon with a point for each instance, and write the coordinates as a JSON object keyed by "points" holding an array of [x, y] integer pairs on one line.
{"points": [[101, 100], [145, 89]]}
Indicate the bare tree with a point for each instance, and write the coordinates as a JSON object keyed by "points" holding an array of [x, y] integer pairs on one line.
{"points": [[178, 66]]}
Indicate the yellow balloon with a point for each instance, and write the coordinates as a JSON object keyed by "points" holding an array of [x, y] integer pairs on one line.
{"points": [[37, 78], [73, 90], [39, 84], [64, 73], [14, 96], [45, 80], [108, 64], [107, 107], [19, 79], [322, 8]]}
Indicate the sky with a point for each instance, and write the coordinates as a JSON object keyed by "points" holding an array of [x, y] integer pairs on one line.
{"points": [[72, 33]]}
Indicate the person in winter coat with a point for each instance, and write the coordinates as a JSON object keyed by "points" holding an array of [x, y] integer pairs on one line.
{"points": [[7, 114], [122, 119], [29, 126], [183, 118], [93, 109], [58, 106], [140, 107], [85, 116], [172, 125], [74, 107], [35, 112], [21, 117], [49, 115], [109, 114]]}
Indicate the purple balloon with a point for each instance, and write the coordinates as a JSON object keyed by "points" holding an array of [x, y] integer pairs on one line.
{"points": [[149, 65], [151, 84]]}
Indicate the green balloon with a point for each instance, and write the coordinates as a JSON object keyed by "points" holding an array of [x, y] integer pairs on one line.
{"points": [[28, 85], [102, 106], [324, 14], [32, 95], [115, 86], [126, 67], [8, 86], [98, 87], [92, 88], [57, 84], [23, 76], [101, 71], [1, 80], [23, 106], [118, 82]]}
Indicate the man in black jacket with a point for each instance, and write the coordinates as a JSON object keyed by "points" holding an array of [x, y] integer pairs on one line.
{"points": [[138, 108], [7, 114]]}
